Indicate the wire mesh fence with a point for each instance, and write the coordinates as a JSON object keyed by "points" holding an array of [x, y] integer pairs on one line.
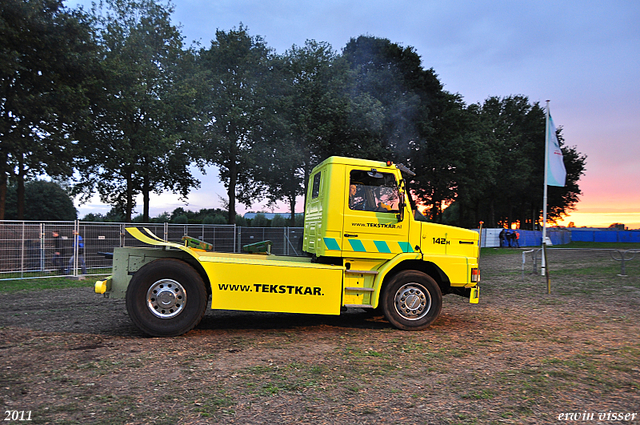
{"points": [[31, 249], [582, 258]]}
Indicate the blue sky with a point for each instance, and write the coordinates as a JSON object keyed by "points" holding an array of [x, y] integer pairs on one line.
{"points": [[584, 57]]}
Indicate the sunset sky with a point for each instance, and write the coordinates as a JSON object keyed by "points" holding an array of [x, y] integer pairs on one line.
{"points": [[583, 56]]}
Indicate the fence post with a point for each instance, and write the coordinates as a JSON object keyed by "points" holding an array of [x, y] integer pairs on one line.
{"points": [[76, 248], [43, 251], [213, 237], [22, 253], [285, 239], [42, 246], [122, 236]]}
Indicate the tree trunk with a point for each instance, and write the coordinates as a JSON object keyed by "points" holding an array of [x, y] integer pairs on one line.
{"points": [[3, 186], [231, 192], [292, 204], [307, 172], [20, 190], [129, 206], [145, 198]]}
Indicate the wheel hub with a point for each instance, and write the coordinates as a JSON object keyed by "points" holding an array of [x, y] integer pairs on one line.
{"points": [[412, 301], [166, 298]]}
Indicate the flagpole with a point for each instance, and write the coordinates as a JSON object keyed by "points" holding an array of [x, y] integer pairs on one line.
{"points": [[544, 198]]}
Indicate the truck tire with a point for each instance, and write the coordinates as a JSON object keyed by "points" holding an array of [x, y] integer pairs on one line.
{"points": [[166, 297], [412, 300]]}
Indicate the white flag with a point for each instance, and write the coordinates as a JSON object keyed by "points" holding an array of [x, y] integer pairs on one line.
{"points": [[556, 173]]}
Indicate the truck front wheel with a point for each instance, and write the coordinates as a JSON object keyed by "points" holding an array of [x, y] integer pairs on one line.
{"points": [[166, 297], [412, 300]]}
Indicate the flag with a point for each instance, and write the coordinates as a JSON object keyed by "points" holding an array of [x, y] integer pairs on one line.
{"points": [[556, 173]]}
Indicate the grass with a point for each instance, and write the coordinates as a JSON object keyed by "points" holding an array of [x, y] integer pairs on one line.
{"points": [[602, 245], [484, 252], [45, 283], [213, 401]]}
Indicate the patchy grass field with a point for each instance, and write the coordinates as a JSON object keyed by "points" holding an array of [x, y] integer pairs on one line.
{"points": [[520, 356]]}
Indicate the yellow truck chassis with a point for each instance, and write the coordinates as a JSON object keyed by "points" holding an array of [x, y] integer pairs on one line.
{"points": [[375, 258]]}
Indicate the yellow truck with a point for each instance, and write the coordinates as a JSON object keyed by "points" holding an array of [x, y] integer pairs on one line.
{"points": [[366, 247]]}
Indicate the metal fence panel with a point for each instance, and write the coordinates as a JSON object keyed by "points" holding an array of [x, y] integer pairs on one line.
{"points": [[99, 239], [28, 248], [286, 240]]}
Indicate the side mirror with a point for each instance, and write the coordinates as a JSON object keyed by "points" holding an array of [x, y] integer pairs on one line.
{"points": [[401, 206]]}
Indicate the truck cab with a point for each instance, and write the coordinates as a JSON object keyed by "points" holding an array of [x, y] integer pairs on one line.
{"points": [[358, 213], [365, 247]]}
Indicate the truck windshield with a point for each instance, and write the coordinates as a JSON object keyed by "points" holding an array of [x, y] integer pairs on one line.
{"points": [[373, 191]]}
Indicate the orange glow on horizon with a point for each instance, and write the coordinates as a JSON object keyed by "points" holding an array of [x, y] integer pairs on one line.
{"points": [[591, 217], [602, 219]]}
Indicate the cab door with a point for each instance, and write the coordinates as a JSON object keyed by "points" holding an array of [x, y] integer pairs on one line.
{"points": [[371, 226]]}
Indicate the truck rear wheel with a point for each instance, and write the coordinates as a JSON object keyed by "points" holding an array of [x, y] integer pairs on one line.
{"points": [[412, 300], [166, 297]]}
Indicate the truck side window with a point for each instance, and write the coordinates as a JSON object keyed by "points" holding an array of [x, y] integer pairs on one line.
{"points": [[373, 191], [316, 186]]}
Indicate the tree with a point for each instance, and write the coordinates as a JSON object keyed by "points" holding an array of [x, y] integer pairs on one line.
{"points": [[181, 219], [46, 60], [137, 143], [260, 220], [235, 72], [474, 166], [394, 77], [511, 136], [95, 217], [444, 160], [419, 125], [308, 105], [515, 130], [44, 200], [279, 221]]}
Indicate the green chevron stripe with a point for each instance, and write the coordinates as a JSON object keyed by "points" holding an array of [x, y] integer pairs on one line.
{"points": [[356, 245], [382, 247], [405, 246], [331, 244]]}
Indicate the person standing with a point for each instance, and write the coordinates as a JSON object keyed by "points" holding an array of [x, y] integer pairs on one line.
{"points": [[503, 238]]}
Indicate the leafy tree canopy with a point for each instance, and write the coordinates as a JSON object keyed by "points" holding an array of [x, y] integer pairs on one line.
{"points": [[44, 201], [47, 59], [141, 112]]}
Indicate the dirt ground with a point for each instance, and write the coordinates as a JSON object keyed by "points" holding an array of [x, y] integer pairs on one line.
{"points": [[519, 357]]}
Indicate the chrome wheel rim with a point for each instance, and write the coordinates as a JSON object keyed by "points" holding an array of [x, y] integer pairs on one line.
{"points": [[412, 301], [166, 298]]}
